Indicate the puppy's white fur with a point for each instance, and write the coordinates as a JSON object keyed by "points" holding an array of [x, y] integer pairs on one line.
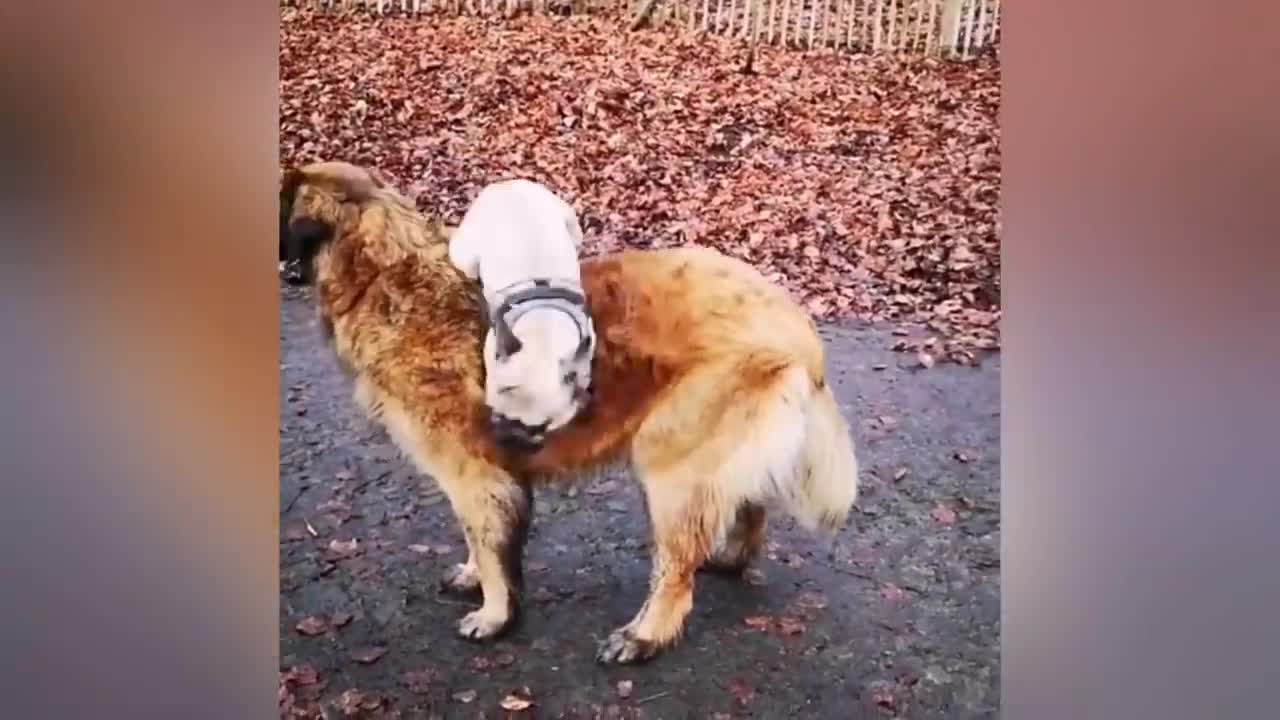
{"points": [[515, 231]]}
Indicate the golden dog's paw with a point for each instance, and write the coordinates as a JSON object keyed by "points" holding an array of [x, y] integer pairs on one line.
{"points": [[483, 624], [461, 578], [623, 647]]}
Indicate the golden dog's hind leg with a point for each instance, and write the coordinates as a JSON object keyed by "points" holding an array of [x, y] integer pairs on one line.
{"points": [[742, 544], [684, 525]]}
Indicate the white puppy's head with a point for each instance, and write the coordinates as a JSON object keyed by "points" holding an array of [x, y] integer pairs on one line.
{"points": [[539, 376]]}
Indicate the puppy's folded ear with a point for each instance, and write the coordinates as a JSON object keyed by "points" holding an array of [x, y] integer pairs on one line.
{"points": [[508, 343], [584, 348]]}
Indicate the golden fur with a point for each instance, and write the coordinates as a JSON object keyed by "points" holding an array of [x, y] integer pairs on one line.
{"points": [[709, 385]]}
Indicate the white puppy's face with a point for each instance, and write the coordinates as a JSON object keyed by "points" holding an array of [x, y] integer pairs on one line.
{"points": [[536, 389]]}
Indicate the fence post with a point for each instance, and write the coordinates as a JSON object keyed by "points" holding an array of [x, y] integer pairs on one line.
{"points": [[950, 31]]}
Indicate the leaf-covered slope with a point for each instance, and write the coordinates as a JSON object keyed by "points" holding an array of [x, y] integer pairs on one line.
{"points": [[868, 186]]}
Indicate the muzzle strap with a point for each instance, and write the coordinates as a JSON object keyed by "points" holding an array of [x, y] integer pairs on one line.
{"points": [[515, 301]]}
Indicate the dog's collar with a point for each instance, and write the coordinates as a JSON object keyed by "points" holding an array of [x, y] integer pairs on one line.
{"points": [[518, 299]]}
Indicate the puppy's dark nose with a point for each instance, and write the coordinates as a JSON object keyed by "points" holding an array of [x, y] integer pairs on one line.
{"points": [[293, 273], [515, 435]]}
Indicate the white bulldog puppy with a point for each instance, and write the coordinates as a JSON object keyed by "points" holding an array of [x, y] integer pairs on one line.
{"points": [[521, 241]]}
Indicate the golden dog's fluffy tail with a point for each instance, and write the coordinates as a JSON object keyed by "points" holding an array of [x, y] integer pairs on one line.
{"points": [[828, 470], [796, 450]]}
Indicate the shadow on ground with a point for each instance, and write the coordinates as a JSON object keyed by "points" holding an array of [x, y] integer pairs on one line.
{"points": [[898, 618]]}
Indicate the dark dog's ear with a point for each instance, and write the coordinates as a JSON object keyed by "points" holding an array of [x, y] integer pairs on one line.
{"points": [[289, 183], [352, 182], [306, 237]]}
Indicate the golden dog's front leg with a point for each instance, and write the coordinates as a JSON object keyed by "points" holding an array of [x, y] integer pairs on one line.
{"points": [[494, 510], [683, 527], [492, 506], [500, 600]]}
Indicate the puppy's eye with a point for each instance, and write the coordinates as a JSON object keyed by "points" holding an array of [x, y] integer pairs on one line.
{"points": [[507, 390], [571, 377]]}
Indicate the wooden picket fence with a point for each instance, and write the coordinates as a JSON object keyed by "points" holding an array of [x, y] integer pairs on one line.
{"points": [[953, 29]]}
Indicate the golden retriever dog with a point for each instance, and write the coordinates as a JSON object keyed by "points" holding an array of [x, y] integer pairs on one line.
{"points": [[708, 384]]}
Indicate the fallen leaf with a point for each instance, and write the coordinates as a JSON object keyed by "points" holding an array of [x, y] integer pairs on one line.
{"points": [[758, 622], [944, 515], [312, 625], [892, 593], [353, 701], [962, 456], [603, 488], [341, 619], [884, 697], [811, 601], [741, 691], [791, 626], [300, 675], [295, 530], [465, 696], [333, 506], [343, 548], [515, 702], [899, 474], [925, 359], [624, 688], [420, 549], [369, 654], [418, 681]]}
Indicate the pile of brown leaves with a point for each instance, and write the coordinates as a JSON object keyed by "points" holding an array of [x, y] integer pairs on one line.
{"points": [[868, 186]]}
